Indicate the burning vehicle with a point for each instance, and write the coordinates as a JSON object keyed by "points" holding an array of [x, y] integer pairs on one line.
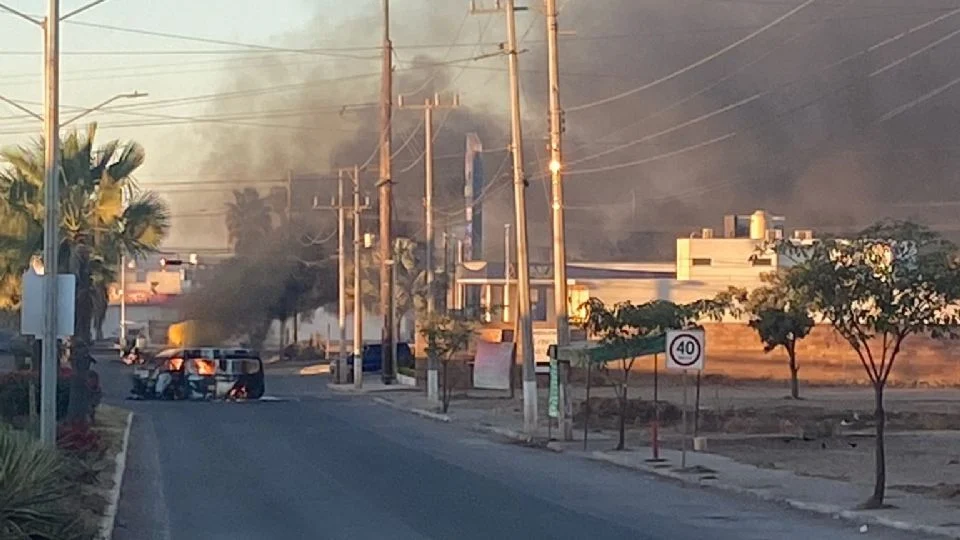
{"points": [[203, 373]]}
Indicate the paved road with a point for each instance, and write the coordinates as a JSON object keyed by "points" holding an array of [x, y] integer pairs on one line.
{"points": [[328, 466]]}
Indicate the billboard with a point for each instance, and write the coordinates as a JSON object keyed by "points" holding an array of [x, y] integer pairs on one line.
{"points": [[473, 195]]}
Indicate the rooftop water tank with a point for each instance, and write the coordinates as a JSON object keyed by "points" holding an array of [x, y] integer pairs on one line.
{"points": [[758, 225]]}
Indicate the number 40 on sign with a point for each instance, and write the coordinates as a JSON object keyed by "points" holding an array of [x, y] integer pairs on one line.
{"points": [[685, 349]]}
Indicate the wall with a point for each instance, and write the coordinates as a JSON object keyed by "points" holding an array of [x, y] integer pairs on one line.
{"points": [[729, 259], [734, 350]]}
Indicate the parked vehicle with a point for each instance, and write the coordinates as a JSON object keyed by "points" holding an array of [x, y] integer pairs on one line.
{"points": [[200, 374], [372, 359]]}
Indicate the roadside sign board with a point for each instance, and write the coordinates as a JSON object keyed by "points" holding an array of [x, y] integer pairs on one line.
{"points": [[685, 350]]}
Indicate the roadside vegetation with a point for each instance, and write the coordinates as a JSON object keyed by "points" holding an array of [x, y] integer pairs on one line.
{"points": [[58, 493]]}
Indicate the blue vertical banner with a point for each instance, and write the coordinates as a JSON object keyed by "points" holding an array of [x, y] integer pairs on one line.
{"points": [[473, 191]]}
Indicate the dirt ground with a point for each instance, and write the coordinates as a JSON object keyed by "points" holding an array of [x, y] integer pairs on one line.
{"points": [[923, 463], [827, 434]]}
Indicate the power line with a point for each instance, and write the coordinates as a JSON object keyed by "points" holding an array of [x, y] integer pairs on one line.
{"points": [[758, 95], [198, 39], [694, 65]]}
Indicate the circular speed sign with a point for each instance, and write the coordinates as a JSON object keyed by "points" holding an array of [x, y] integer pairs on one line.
{"points": [[685, 350]]}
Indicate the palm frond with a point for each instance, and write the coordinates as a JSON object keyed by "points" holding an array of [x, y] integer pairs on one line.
{"points": [[144, 224], [130, 159]]}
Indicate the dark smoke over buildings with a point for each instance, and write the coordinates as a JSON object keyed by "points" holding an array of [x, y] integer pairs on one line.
{"points": [[780, 129]]}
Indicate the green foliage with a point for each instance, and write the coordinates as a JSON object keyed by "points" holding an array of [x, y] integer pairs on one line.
{"points": [[15, 395], [411, 291], [33, 491], [92, 216], [894, 280], [447, 334], [625, 326]]}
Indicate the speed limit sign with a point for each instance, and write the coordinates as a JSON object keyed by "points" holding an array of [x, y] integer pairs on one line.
{"points": [[685, 349]]}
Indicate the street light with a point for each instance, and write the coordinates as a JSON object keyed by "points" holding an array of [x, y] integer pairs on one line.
{"points": [[51, 199], [85, 112], [97, 107]]}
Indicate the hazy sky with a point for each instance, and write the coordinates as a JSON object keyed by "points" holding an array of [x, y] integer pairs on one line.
{"points": [[88, 79], [98, 63]]}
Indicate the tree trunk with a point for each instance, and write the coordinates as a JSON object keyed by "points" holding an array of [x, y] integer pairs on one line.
{"points": [[621, 444], [794, 368], [79, 409], [879, 487]]}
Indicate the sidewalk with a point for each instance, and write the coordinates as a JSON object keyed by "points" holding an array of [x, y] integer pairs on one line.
{"points": [[373, 386], [836, 498]]}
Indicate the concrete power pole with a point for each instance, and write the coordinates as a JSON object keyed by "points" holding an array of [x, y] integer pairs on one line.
{"points": [[341, 278], [428, 107], [386, 199], [559, 235], [51, 225], [524, 321], [357, 285]]}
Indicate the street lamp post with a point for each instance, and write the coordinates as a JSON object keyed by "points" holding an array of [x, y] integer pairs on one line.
{"points": [[51, 222]]}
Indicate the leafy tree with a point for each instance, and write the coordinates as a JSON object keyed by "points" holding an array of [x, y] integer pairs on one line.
{"points": [[95, 227], [446, 335], [894, 280], [781, 318], [411, 291], [249, 221], [625, 326]]}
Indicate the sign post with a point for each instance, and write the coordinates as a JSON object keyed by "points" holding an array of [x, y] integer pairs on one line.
{"points": [[685, 352]]}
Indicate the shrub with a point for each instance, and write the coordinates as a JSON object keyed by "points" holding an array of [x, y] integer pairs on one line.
{"points": [[78, 439], [33, 491], [15, 394]]}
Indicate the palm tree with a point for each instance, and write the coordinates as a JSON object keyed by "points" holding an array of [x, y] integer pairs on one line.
{"points": [[249, 221], [95, 227]]}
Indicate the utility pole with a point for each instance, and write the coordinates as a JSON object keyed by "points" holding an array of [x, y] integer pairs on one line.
{"points": [[524, 321], [428, 107], [357, 284], [51, 224], [386, 197], [507, 302], [339, 204], [560, 297], [288, 232], [341, 277]]}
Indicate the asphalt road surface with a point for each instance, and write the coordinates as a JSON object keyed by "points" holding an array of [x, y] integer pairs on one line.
{"points": [[317, 465]]}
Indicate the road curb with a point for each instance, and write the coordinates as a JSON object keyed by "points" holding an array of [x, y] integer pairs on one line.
{"points": [[439, 417], [108, 522], [824, 509]]}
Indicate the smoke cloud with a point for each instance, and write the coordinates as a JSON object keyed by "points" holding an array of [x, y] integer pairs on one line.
{"points": [[809, 147]]}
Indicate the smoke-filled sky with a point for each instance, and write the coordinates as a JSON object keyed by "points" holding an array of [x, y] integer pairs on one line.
{"points": [[821, 117]]}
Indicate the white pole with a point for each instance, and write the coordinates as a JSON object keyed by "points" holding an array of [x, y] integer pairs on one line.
{"points": [[357, 286], [683, 446], [123, 302], [341, 280], [524, 321], [51, 226]]}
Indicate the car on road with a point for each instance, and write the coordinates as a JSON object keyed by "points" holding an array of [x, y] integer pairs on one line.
{"points": [[200, 373]]}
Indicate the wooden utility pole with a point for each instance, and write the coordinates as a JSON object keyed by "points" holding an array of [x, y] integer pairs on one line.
{"points": [[524, 321], [428, 107], [386, 199]]}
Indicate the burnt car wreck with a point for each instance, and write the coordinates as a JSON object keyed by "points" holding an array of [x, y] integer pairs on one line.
{"points": [[200, 374]]}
